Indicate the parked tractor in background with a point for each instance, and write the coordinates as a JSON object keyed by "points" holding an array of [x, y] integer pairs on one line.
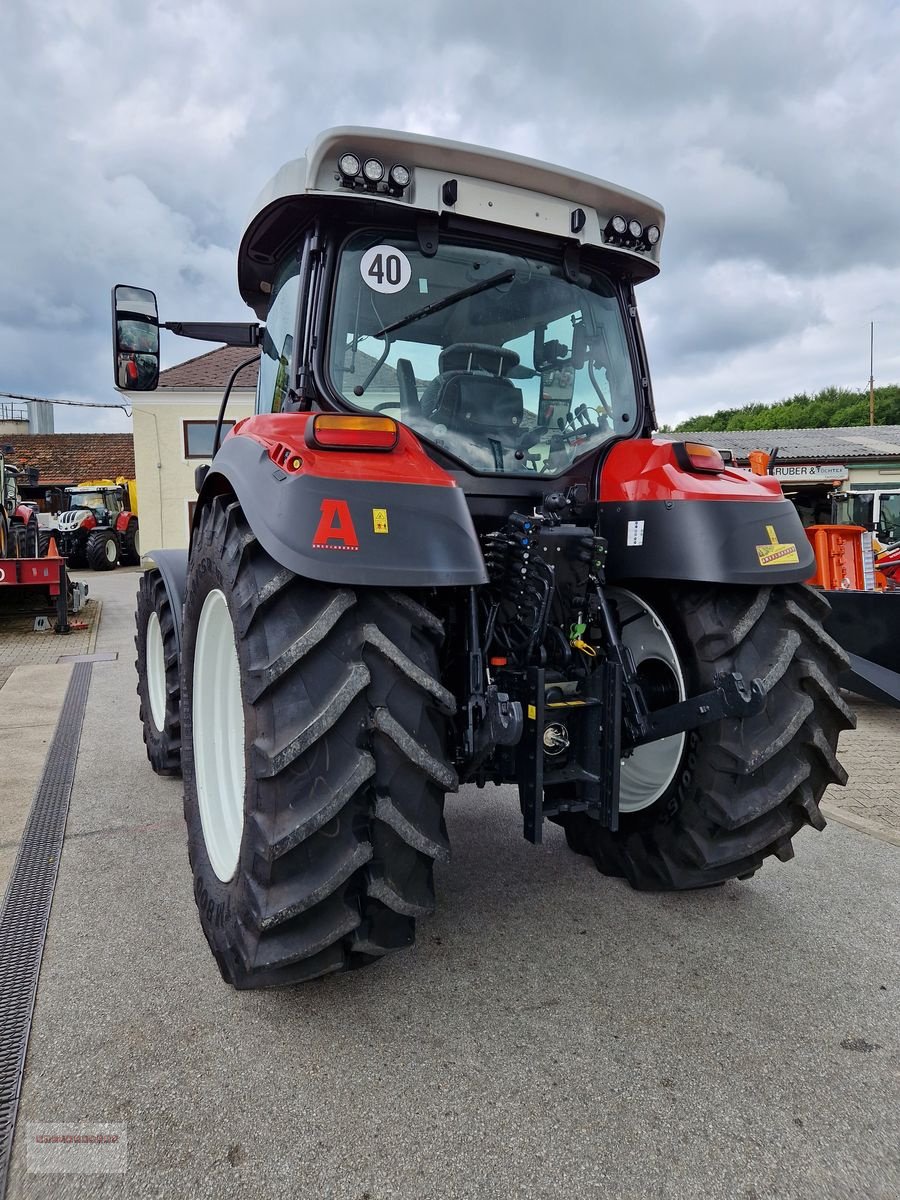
{"points": [[877, 510], [497, 574], [19, 533], [98, 529]]}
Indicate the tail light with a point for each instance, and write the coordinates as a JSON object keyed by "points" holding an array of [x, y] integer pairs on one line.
{"points": [[695, 456], [331, 432]]}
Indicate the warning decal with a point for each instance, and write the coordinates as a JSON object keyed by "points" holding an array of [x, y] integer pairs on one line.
{"points": [[379, 520], [635, 533], [335, 530], [776, 553]]}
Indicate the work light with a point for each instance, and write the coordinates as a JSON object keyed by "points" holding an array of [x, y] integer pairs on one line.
{"points": [[373, 170], [399, 176], [348, 165]]}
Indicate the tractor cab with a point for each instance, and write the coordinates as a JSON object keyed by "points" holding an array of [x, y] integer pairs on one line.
{"points": [[877, 510], [105, 503]]}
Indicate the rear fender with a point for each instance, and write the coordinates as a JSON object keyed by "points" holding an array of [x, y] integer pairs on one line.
{"points": [[665, 522], [172, 566], [122, 521], [381, 519]]}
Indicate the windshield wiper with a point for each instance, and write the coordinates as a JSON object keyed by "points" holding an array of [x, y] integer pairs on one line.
{"points": [[453, 298]]}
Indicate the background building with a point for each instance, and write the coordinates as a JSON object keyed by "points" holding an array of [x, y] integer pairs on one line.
{"points": [[812, 463], [25, 416], [173, 433], [65, 459]]}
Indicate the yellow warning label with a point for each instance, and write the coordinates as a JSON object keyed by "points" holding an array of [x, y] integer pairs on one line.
{"points": [[379, 520], [776, 552], [532, 713]]}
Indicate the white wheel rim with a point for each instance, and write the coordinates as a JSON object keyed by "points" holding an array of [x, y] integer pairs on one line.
{"points": [[218, 736], [137, 542], [111, 551], [649, 770], [156, 672]]}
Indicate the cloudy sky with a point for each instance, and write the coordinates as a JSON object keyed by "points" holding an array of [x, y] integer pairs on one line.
{"points": [[136, 137]]}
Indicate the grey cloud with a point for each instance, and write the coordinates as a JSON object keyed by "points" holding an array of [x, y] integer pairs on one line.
{"points": [[139, 137]]}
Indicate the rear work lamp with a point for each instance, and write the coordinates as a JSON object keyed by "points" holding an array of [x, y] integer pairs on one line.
{"points": [[695, 456], [327, 431]]}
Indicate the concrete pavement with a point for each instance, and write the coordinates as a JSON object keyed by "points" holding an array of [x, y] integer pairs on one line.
{"points": [[553, 1034]]}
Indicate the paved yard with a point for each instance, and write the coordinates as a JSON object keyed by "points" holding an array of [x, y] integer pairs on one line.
{"points": [[869, 753], [553, 1034]]}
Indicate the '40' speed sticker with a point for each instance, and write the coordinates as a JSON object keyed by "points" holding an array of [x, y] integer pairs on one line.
{"points": [[385, 269]]}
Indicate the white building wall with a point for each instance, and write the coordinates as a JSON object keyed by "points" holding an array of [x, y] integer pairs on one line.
{"points": [[165, 476]]}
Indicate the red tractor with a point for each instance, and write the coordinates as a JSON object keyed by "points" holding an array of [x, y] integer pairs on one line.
{"points": [[448, 548], [98, 530]]}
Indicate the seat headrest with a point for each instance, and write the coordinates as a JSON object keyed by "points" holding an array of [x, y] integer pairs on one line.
{"points": [[473, 356]]}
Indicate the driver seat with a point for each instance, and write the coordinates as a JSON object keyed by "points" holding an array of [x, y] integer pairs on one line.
{"points": [[471, 393]]}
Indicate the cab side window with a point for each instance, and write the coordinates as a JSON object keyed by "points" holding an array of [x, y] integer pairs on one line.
{"points": [[274, 365]]}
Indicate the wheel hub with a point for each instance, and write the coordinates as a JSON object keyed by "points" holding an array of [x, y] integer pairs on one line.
{"points": [[156, 673], [648, 770], [218, 736]]}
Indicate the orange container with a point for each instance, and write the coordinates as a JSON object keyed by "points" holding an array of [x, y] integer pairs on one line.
{"points": [[759, 462], [839, 557]]}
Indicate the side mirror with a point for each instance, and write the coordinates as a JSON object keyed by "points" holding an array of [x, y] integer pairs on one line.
{"points": [[135, 339]]}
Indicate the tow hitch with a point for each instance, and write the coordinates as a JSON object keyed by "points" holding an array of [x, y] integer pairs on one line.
{"points": [[731, 697]]}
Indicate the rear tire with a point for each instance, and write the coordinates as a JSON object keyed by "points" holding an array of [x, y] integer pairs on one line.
{"points": [[131, 544], [32, 539], [102, 550], [16, 540], [743, 787], [43, 543], [159, 687], [325, 835]]}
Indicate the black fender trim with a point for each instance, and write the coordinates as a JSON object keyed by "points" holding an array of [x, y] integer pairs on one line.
{"points": [[429, 540], [710, 541], [172, 566]]}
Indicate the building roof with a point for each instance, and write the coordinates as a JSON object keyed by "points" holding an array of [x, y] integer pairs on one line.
{"points": [[67, 458], [213, 370], [858, 442]]}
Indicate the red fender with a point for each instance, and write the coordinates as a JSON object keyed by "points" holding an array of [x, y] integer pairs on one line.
{"points": [[647, 469]]}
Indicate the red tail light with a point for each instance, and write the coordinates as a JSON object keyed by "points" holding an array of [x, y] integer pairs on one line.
{"points": [[694, 456], [332, 432]]}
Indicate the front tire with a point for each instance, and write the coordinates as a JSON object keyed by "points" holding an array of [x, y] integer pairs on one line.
{"points": [[159, 685], [313, 845], [742, 788], [102, 550]]}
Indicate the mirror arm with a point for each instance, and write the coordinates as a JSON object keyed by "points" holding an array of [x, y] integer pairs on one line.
{"points": [[232, 334]]}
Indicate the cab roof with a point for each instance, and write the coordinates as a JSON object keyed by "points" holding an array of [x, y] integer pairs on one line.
{"points": [[490, 185]]}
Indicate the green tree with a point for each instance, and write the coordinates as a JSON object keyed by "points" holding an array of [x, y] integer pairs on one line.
{"points": [[831, 408]]}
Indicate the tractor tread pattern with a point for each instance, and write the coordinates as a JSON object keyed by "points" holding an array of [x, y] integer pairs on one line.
{"points": [[756, 781], [163, 750], [347, 767]]}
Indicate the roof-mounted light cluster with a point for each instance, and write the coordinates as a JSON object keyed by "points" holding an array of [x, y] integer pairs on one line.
{"points": [[630, 233], [369, 175]]}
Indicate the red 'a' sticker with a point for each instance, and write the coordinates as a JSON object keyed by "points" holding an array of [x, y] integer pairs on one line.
{"points": [[335, 529]]}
